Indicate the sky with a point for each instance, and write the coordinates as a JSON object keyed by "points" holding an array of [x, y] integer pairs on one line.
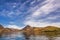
{"points": [[36, 13]]}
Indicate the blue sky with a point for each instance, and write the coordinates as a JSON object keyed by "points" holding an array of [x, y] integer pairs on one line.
{"points": [[39, 13]]}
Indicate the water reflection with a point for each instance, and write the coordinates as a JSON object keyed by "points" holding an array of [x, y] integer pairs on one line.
{"points": [[20, 36], [56, 38], [38, 38], [43, 38]]}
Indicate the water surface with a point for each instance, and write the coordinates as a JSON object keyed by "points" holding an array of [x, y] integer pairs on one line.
{"points": [[20, 36]]}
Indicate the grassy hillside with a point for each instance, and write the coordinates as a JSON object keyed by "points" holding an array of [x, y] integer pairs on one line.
{"points": [[28, 31], [48, 31]]}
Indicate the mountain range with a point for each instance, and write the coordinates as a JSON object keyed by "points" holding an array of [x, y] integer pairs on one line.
{"points": [[28, 31]]}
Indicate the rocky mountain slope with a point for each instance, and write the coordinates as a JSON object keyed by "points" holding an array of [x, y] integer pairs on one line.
{"points": [[48, 31], [28, 31], [7, 31]]}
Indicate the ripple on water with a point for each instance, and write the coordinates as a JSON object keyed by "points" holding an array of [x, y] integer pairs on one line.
{"points": [[38, 38], [21, 37], [56, 38]]}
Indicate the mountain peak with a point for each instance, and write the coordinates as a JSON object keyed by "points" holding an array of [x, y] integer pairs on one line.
{"points": [[27, 27]]}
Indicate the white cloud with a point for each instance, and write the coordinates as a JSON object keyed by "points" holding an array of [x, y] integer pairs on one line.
{"points": [[13, 26], [47, 7], [50, 6], [53, 17], [13, 14], [10, 14], [14, 5], [33, 2], [41, 24], [22, 5], [11, 22], [35, 24]]}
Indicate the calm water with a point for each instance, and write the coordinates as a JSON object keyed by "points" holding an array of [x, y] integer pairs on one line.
{"points": [[20, 36]]}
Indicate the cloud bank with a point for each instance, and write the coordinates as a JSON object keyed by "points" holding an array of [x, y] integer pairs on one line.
{"points": [[39, 13], [45, 15]]}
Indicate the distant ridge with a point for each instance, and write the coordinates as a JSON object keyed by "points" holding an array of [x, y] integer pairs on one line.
{"points": [[28, 31]]}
